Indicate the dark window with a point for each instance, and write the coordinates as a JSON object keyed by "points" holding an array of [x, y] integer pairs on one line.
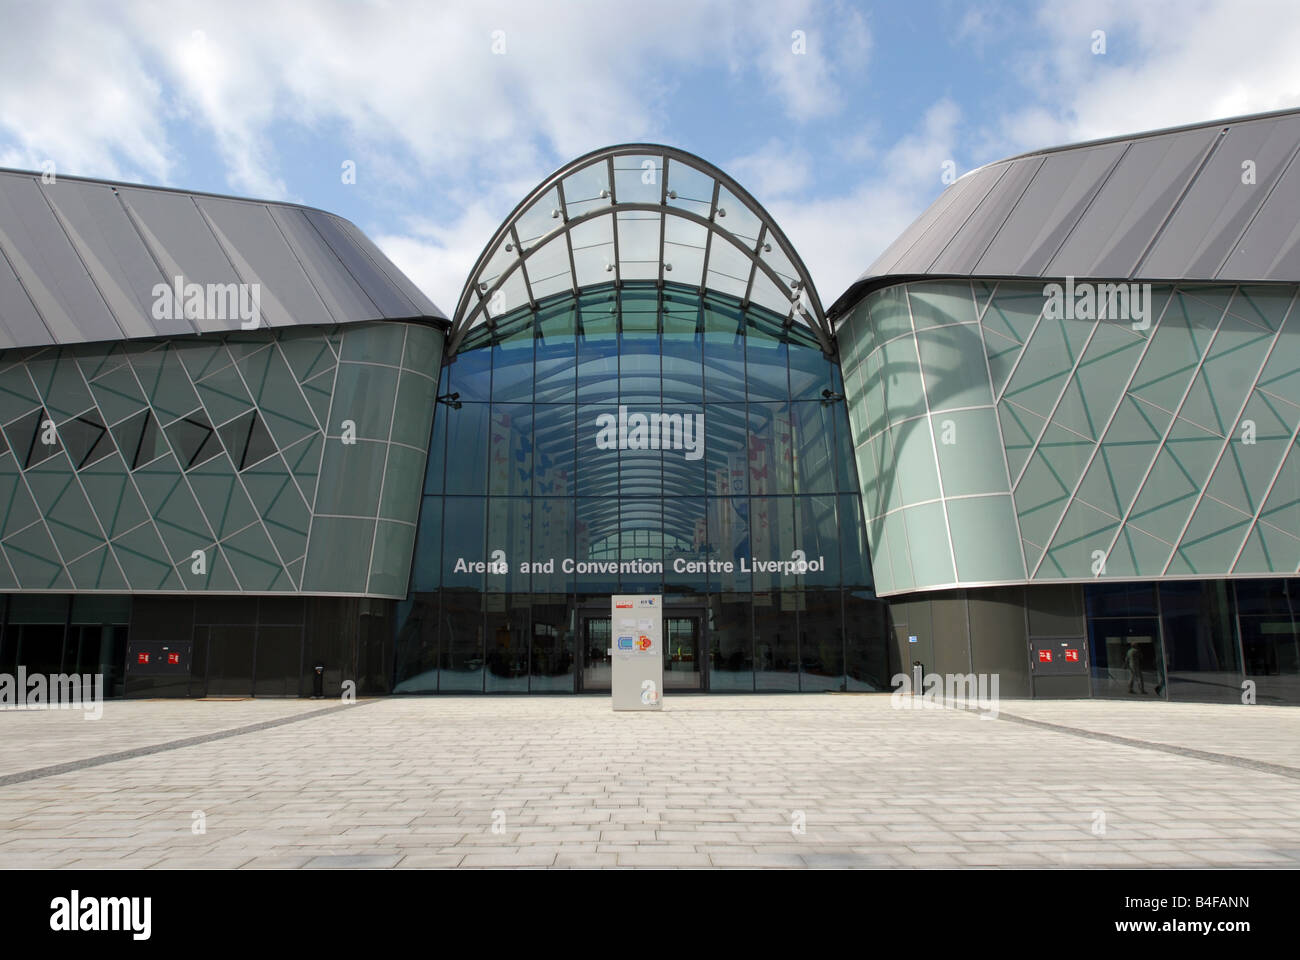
{"points": [[139, 439], [193, 439], [247, 440], [86, 439]]}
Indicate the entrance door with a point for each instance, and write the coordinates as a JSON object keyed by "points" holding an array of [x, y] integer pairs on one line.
{"points": [[595, 639], [683, 659]]}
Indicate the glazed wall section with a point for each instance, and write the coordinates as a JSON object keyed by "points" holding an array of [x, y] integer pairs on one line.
{"points": [[289, 460], [1000, 443]]}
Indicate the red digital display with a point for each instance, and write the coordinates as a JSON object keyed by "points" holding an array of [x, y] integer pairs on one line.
{"points": [[142, 658], [1044, 656], [173, 658], [1072, 655]]}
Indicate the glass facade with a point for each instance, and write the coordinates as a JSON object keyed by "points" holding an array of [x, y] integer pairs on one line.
{"points": [[1195, 640], [270, 461], [1001, 438], [640, 440]]}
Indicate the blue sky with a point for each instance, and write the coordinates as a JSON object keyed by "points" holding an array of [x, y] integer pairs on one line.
{"points": [[844, 143]]}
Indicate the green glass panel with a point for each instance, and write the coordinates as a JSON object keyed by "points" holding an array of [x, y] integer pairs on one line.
{"points": [[985, 540], [351, 478], [97, 571], [17, 395], [913, 464], [1254, 452], [295, 573], [67, 514], [875, 415], [953, 366], [279, 400], [17, 508], [97, 359], [200, 357], [143, 560], [222, 497], [58, 380], [1269, 550], [1002, 354], [117, 394], [365, 395], [413, 416], [1177, 478], [1048, 481], [319, 391], [402, 482], [173, 507], [1014, 310], [1079, 545], [1020, 431], [304, 460], [900, 559], [1282, 509], [423, 349], [901, 380], [306, 352], [338, 556], [1126, 451], [374, 342], [220, 576], [937, 303], [882, 569], [927, 537], [889, 314], [1179, 342], [253, 559], [165, 382], [1264, 305], [1048, 359], [223, 395], [1212, 540], [35, 561], [391, 568], [1090, 399], [1228, 373], [970, 452], [1137, 554]]}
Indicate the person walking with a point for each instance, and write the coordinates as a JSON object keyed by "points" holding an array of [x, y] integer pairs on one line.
{"points": [[1133, 660]]}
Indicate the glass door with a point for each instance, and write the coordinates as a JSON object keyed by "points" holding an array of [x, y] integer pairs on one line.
{"points": [[595, 639], [682, 659]]}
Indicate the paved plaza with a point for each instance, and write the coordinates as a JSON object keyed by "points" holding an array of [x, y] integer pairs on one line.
{"points": [[829, 780]]}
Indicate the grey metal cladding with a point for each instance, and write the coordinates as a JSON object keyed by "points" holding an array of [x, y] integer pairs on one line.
{"points": [[1034, 230], [1208, 221], [1167, 205], [423, 306], [80, 260], [932, 243], [99, 227], [1277, 234], [390, 301], [48, 267], [20, 324], [261, 255], [973, 238], [1120, 222]]}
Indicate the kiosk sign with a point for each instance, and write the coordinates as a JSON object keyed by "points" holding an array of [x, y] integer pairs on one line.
{"points": [[637, 679]]}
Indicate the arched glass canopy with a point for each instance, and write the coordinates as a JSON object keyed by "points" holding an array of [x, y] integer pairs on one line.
{"points": [[637, 213]]}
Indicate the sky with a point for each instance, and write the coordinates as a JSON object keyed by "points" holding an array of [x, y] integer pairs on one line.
{"points": [[841, 118]]}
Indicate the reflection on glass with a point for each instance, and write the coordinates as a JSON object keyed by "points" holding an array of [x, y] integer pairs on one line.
{"points": [[558, 480]]}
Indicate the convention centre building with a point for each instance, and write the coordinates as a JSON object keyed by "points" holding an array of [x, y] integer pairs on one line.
{"points": [[1050, 434]]}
